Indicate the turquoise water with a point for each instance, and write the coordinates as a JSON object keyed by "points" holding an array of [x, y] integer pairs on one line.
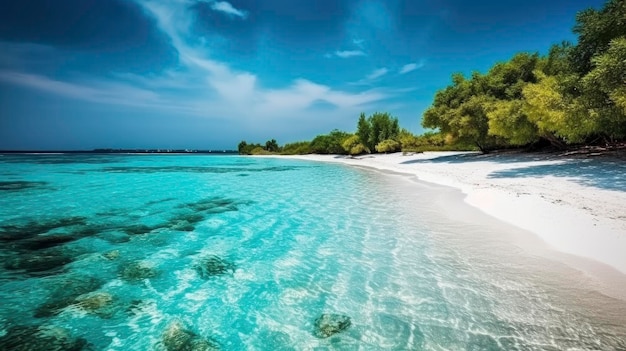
{"points": [[119, 252]]}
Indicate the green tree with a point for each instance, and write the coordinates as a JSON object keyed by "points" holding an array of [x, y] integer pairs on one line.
{"points": [[460, 111], [329, 143], [505, 83], [353, 146], [605, 90], [388, 145], [241, 148], [271, 146], [558, 116], [246, 149], [363, 129], [297, 148], [382, 126], [596, 29]]}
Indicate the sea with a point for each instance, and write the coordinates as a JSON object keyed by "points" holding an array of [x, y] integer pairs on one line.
{"points": [[206, 252]]}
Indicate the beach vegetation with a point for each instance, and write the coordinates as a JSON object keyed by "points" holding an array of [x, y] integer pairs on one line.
{"points": [[246, 149], [376, 128], [354, 146], [388, 146], [331, 143], [272, 146], [297, 148], [575, 94]]}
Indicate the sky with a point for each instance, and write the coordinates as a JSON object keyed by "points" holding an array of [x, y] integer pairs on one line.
{"points": [[205, 74]]}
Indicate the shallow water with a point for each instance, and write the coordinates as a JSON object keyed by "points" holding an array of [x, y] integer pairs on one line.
{"points": [[248, 253]]}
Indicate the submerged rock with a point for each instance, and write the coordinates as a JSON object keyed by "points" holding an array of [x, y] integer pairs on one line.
{"points": [[101, 304], [192, 218], [183, 226], [212, 205], [138, 229], [137, 271], [213, 265], [32, 338], [329, 324], [40, 242], [30, 229], [111, 255], [66, 294], [17, 185], [38, 263], [177, 338]]}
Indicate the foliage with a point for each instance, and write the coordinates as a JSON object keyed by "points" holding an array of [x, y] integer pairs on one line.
{"points": [[460, 110], [272, 146], [382, 126], [259, 151], [353, 146], [575, 93], [363, 129], [297, 148], [331, 143], [595, 30], [246, 149], [605, 87], [388, 145]]}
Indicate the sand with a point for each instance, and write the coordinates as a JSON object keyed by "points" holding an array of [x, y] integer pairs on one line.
{"points": [[576, 206]]}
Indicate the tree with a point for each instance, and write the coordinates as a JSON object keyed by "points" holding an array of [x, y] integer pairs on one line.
{"points": [[246, 149], [353, 146], [460, 111], [508, 119], [505, 83], [382, 126], [595, 30], [271, 146], [241, 148], [329, 143], [605, 89], [363, 129], [297, 148], [556, 115]]}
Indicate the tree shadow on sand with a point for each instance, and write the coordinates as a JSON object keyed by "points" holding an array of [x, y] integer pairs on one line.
{"points": [[603, 173]]}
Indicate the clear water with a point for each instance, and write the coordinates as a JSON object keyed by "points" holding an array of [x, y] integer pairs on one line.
{"points": [[288, 240]]}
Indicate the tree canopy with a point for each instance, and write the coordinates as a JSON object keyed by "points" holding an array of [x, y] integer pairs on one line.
{"points": [[574, 94]]}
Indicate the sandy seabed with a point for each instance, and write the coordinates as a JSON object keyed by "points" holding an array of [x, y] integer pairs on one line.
{"points": [[577, 206]]}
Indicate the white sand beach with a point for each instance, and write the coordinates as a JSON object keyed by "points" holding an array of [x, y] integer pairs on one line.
{"points": [[576, 205]]}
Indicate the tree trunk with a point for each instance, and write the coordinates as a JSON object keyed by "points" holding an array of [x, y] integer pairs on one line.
{"points": [[554, 141], [481, 148]]}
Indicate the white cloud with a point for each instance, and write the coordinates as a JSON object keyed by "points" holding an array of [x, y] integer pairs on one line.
{"points": [[349, 53], [377, 73], [227, 8], [410, 67], [203, 86], [241, 90]]}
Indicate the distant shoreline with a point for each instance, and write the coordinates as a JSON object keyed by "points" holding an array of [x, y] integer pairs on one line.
{"points": [[120, 151]]}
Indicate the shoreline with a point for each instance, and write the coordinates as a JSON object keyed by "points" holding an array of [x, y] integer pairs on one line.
{"points": [[555, 198]]}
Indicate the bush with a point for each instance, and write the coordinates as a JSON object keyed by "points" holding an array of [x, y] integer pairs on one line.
{"points": [[353, 146], [388, 145], [297, 148]]}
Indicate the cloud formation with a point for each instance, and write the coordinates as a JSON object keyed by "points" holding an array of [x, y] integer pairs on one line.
{"points": [[200, 84], [227, 8], [410, 67], [377, 73], [349, 53]]}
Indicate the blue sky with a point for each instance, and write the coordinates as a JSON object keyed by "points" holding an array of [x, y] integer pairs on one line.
{"points": [[83, 74]]}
